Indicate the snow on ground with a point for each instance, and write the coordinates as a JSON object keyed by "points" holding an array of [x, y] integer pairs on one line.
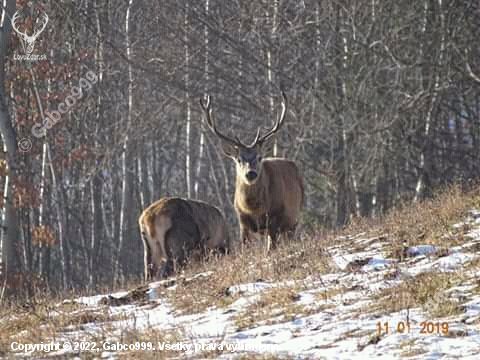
{"points": [[341, 325]]}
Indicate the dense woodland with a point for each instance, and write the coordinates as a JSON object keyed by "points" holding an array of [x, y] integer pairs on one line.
{"points": [[383, 105]]}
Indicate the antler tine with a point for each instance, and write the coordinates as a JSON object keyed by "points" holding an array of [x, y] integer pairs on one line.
{"points": [[45, 22], [277, 125], [207, 106], [207, 109], [256, 138], [14, 19]]}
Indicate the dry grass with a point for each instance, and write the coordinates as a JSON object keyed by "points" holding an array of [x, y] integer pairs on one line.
{"points": [[153, 336], [253, 356], [44, 320], [424, 222], [414, 292], [410, 348], [326, 295], [294, 261], [51, 320], [413, 352], [275, 305]]}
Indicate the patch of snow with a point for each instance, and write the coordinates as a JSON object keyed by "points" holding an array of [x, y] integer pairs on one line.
{"points": [[250, 288], [421, 250], [378, 263]]}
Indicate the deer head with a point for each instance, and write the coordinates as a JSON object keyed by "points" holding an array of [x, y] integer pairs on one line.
{"points": [[248, 158], [29, 40]]}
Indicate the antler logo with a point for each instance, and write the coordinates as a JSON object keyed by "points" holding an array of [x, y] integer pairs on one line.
{"points": [[29, 40]]}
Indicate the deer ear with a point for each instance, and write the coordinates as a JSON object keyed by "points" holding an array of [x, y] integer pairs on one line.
{"points": [[230, 150]]}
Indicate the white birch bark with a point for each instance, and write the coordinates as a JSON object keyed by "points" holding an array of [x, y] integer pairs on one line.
{"points": [[188, 135], [126, 148], [419, 188]]}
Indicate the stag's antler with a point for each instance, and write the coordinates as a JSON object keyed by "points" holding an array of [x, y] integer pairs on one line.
{"points": [[207, 109], [260, 140], [236, 141]]}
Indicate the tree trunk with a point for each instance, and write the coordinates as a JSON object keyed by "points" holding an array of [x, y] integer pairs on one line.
{"points": [[188, 134], [428, 53], [9, 227], [201, 172], [269, 71], [341, 156], [97, 227], [126, 198]]}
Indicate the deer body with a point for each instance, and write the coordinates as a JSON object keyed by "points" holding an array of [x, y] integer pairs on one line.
{"points": [[269, 192], [272, 205], [172, 228]]}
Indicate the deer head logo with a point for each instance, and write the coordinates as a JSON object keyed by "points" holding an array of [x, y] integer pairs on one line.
{"points": [[29, 40]]}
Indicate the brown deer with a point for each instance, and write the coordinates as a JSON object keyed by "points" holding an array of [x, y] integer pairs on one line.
{"points": [[269, 192], [173, 227]]}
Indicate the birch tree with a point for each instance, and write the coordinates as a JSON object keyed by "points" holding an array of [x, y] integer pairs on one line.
{"points": [[9, 226]]}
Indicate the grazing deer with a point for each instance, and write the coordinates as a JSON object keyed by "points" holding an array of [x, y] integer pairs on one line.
{"points": [[173, 227], [268, 192]]}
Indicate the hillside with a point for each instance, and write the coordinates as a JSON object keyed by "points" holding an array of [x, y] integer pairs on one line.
{"points": [[326, 296]]}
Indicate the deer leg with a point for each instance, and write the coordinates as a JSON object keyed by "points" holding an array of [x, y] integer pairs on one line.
{"points": [[167, 269], [274, 239], [245, 235], [247, 224], [148, 264], [149, 270], [179, 244], [274, 230]]}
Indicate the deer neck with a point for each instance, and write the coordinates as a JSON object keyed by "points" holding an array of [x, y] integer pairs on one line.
{"points": [[250, 198]]}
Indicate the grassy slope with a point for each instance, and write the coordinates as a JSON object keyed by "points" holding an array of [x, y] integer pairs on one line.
{"points": [[429, 222]]}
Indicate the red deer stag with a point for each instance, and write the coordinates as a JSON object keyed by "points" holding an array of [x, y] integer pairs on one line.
{"points": [[172, 228], [268, 192]]}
